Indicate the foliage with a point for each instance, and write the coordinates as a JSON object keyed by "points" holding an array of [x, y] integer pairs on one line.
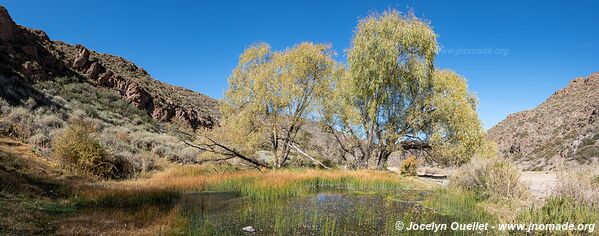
{"points": [[390, 63], [558, 209], [78, 150], [409, 165], [271, 94], [451, 122], [391, 95], [493, 179]]}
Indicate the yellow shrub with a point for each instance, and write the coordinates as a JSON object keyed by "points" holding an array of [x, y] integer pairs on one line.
{"points": [[78, 150], [409, 165]]}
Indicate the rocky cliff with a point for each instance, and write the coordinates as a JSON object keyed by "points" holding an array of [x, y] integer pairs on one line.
{"points": [[28, 55], [562, 130]]}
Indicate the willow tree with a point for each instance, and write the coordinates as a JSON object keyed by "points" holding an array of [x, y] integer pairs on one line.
{"points": [[389, 98], [449, 122], [271, 95]]}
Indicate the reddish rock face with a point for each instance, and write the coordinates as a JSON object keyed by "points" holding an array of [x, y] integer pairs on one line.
{"points": [[36, 57], [7, 26], [81, 59], [94, 71]]}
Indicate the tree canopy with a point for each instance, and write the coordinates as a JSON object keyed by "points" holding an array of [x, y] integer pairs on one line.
{"points": [[388, 97], [392, 97], [272, 94]]}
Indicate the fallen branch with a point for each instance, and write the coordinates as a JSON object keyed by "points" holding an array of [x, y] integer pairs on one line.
{"points": [[221, 149], [306, 155]]}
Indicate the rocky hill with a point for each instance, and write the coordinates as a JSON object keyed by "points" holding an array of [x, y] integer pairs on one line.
{"points": [[28, 56], [562, 130]]}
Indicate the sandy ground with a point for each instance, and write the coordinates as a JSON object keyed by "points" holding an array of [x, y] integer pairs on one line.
{"points": [[541, 183]]}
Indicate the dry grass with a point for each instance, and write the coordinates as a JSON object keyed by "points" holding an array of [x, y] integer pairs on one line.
{"points": [[149, 220], [579, 184], [495, 179]]}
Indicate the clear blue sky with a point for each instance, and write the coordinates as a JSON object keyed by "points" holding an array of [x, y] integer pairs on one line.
{"points": [[195, 44]]}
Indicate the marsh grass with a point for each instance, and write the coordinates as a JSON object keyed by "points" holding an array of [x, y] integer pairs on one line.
{"points": [[165, 187], [458, 205], [270, 193], [325, 213]]}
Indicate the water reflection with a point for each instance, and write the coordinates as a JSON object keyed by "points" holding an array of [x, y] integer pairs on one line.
{"points": [[322, 213]]}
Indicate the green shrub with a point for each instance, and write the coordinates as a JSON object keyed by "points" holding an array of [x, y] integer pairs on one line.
{"points": [[560, 210], [493, 178], [78, 150]]}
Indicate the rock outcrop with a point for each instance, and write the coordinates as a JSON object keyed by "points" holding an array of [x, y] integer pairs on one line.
{"points": [[564, 129], [30, 55]]}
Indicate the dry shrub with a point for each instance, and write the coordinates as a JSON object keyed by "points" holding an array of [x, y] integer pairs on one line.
{"points": [[18, 123], [125, 160], [39, 140], [580, 183], [147, 141], [4, 107], [493, 178], [160, 150], [36, 127], [186, 155], [409, 165]]}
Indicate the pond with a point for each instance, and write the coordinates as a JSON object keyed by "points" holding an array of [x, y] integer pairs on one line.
{"points": [[323, 213]]}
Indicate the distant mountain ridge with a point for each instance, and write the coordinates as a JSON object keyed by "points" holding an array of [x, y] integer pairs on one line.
{"points": [[564, 129], [29, 55]]}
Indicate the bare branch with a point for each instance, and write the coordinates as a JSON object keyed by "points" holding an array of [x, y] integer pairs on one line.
{"points": [[221, 149], [306, 155]]}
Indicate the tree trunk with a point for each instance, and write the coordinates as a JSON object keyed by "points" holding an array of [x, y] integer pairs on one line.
{"points": [[284, 154], [382, 160]]}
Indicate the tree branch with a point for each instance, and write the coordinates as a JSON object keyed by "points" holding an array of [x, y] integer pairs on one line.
{"points": [[306, 155], [214, 147]]}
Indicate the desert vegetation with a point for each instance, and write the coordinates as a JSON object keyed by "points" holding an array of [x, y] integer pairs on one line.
{"points": [[93, 131], [491, 178], [575, 199]]}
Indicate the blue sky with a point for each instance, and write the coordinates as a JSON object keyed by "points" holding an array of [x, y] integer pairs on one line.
{"points": [[514, 53]]}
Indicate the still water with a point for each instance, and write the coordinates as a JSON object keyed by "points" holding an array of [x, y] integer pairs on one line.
{"points": [[322, 213]]}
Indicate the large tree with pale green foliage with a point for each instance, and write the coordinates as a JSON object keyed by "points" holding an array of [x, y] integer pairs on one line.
{"points": [[392, 98], [271, 95]]}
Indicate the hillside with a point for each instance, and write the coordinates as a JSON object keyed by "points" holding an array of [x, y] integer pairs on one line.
{"points": [[562, 130], [28, 56]]}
